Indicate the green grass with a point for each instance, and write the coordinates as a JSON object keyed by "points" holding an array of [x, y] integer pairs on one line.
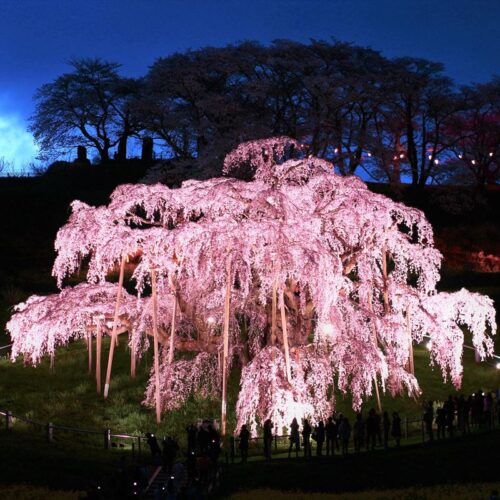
{"points": [[68, 396]]}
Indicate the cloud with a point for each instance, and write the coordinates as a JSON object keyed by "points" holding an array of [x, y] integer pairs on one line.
{"points": [[16, 144]]}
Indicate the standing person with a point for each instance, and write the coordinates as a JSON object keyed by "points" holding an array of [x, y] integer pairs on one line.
{"points": [[268, 438], [306, 438], [344, 434], [320, 438], [428, 419], [488, 410], [396, 428], [358, 432], [153, 445], [386, 424], [192, 432], [294, 438], [449, 410], [466, 414], [371, 429], [378, 431], [441, 422], [331, 436], [244, 437]]}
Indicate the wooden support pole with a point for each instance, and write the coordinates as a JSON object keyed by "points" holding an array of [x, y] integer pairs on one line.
{"points": [[89, 346], [133, 360], [172, 332], [285, 341], [98, 348], [226, 347], [375, 341], [273, 313], [411, 363], [114, 336], [52, 362], [154, 297]]}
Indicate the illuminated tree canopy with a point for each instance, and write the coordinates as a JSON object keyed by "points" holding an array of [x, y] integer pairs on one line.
{"points": [[320, 283]]}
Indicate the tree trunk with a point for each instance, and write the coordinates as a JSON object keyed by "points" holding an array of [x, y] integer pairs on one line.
{"points": [[285, 341], [121, 153], [115, 326]]}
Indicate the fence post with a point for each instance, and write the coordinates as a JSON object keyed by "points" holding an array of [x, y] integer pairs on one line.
{"points": [[8, 420], [406, 427], [50, 432], [231, 445], [107, 439]]}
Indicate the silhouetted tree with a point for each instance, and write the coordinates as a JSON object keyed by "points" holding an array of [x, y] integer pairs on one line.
{"points": [[89, 106]]}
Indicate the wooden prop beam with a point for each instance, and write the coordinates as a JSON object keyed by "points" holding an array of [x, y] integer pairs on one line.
{"points": [[98, 348], [273, 313], [172, 332], [114, 336], [375, 340], [154, 296], [284, 329], [133, 360], [226, 347], [89, 346]]}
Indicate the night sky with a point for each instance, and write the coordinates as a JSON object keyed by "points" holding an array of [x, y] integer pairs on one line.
{"points": [[38, 36]]}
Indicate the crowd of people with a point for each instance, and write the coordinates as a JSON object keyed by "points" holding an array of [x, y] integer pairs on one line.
{"points": [[459, 413], [331, 436], [338, 434], [198, 472]]}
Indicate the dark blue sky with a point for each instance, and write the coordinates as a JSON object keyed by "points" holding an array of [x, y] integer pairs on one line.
{"points": [[38, 36]]}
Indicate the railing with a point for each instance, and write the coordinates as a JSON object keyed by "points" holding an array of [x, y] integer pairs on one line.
{"points": [[109, 439], [413, 432]]}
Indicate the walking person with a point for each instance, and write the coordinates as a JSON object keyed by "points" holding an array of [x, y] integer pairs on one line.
{"points": [[396, 428], [320, 438], [294, 438], [243, 445], [306, 438], [331, 436], [449, 410], [153, 445], [386, 424], [268, 438], [344, 434]]}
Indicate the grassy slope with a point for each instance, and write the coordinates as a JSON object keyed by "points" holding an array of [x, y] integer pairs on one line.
{"points": [[68, 396]]}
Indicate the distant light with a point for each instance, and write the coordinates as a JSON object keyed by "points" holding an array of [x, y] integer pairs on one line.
{"points": [[171, 477], [491, 154], [460, 156], [336, 150], [473, 162], [395, 158], [498, 366], [369, 154], [401, 155], [430, 157], [483, 394], [327, 328], [210, 320], [436, 161], [429, 345]]}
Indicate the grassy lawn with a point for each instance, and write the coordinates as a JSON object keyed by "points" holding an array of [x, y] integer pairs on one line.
{"points": [[67, 396]]}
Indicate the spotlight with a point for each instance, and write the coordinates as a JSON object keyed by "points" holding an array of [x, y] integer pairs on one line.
{"points": [[429, 345], [498, 366]]}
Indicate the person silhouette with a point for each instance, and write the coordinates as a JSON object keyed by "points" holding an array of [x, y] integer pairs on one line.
{"points": [[294, 438]]}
